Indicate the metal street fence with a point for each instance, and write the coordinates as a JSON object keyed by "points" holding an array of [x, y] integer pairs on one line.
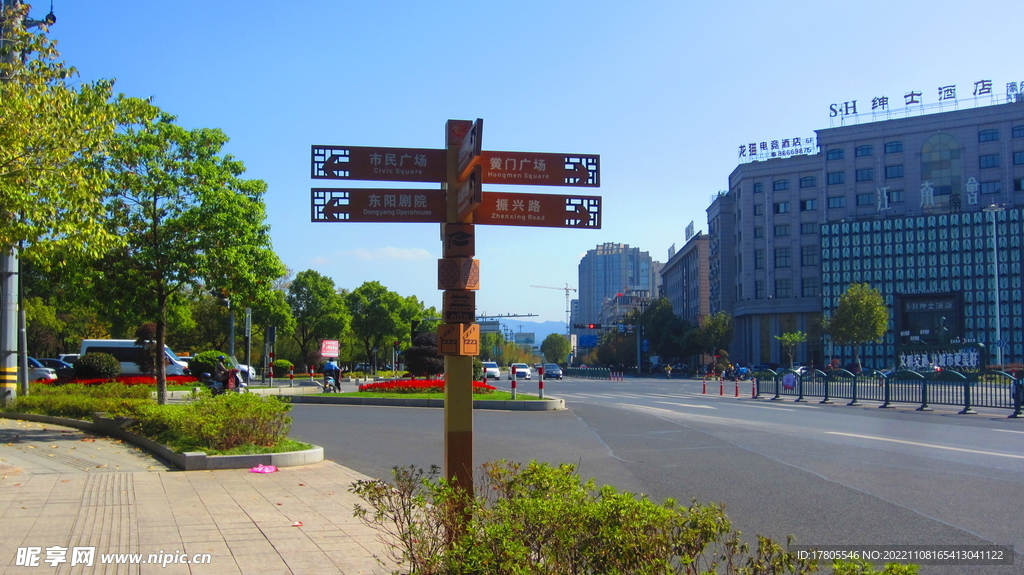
{"points": [[988, 389], [588, 372]]}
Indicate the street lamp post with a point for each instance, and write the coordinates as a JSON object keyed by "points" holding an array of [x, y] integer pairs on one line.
{"points": [[994, 210]]}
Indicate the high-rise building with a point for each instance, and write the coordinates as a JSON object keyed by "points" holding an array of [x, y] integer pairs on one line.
{"points": [[611, 269], [685, 279], [905, 205]]}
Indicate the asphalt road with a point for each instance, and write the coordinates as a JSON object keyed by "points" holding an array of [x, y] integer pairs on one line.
{"points": [[828, 474]]}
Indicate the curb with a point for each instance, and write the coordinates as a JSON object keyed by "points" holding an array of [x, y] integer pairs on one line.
{"points": [[188, 461], [509, 405]]}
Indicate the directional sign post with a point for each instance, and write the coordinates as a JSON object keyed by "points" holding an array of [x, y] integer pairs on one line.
{"points": [[463, 167]]}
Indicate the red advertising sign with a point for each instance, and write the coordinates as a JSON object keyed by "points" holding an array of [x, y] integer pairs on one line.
{"points": [[329, 348], [378, 205], [387, 164], [541, 169], [539, 210]]}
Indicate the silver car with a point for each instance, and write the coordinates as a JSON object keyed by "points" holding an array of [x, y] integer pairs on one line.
{"points": [[522, 370]]}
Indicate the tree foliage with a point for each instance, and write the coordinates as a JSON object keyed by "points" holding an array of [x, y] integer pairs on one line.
{"points": [[861, 316], [422, 359], [188, 221], [715, 332], [789, 341], [381, 317], [318, 310], [556, 348], [51, 129]]}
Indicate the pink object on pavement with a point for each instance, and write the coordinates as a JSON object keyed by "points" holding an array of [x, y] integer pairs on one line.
{"points": [[263, 469]]}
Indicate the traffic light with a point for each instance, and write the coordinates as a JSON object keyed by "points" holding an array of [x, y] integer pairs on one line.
{"points": [[593, 326]]}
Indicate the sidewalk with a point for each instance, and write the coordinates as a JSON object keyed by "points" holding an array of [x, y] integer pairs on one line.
{"points": [[62, 488]]}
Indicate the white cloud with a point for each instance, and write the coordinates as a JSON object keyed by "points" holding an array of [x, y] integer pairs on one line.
{"points": [[389, 253]]}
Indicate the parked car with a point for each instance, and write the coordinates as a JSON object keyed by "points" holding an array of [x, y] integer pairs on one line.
{"points": [[64, 369], [522, 371], [552, 371], [38, 372], [68, 358], [491, 370], [128, 353]]}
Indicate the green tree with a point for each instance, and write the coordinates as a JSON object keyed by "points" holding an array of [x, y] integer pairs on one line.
{"points": [[189, 222], [861, 316], [556, 348], [51, 128], [789, 341], [381, 317], [318, 309], [715, 332]]}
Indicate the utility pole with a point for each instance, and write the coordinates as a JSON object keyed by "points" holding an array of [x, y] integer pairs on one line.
{"points": [[9, 265]]}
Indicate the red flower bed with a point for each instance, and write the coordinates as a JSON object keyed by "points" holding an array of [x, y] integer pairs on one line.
{"points": [[418, 386], [133, 380]]}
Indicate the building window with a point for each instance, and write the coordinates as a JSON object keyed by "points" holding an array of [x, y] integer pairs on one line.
{"points": [[783, 287], [808, 228], [782, 257], [989, 161], [992, 187], [809, 255], [758, 188], [781, 230], [893, 147], [759, 232], [835, 178], [780, 185], [1018, 185], [865, 199], [808, 182], [1018, 158], [893, 172], [837, 202], [988, 135], [895, 196], [1018, 131], [758, 209], [759, 289], [808, 205], [836, 154], [863, 151], [758, 259], [865, 175], [811, 287], [782, 207]]}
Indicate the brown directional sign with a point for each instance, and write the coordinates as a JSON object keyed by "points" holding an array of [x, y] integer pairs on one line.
{"points": [[469, 150], [458, 339], [539, 210], [469, 193], [542, 169], [378, 205], [459, 306], [387, 164]]}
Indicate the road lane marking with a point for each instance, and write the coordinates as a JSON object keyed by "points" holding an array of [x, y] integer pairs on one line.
{"points": [[686, 405], [926, 445], [764, 407], [1008, 431]]}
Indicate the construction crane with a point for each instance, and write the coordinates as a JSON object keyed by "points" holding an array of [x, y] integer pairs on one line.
{"points": [[567, 290]]}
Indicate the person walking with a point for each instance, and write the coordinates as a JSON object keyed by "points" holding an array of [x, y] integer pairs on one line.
{"points": [[668, 371]]}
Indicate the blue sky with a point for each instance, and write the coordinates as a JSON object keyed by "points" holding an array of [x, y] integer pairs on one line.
{"points": [[665, 92]]}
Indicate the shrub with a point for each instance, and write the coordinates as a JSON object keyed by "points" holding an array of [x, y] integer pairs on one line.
{"points": [[544, 519], [219, 423], [97, 365], [205, 362], [81, 401], [281, 367]]}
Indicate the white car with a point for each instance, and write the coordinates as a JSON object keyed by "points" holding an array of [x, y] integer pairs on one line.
{"points": [[522, 370], [37, 372], [491, 370]]}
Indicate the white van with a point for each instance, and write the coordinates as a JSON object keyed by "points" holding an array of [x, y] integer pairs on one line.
{"points": [[127, 353]]}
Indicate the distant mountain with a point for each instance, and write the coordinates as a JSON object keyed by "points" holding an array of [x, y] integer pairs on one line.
{"points": [[540, 329]]}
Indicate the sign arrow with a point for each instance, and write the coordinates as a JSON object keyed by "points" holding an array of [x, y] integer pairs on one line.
{"points": [[582, 213], [332, 210], [332, 166], [582, 173]]}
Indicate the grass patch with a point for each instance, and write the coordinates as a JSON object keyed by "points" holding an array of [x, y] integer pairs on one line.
{"points": [[494, 395]]}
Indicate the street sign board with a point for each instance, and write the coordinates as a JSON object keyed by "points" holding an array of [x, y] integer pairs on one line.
{"points": [[539, 210], [458, 339], [458, 241], [469, 194], [378, 205], [587, 341], [459, 306], [329, 347], [469, 150], [541, 169], [369, 163]]}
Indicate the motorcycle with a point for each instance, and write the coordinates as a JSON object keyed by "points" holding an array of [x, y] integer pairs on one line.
{"points": [[234, 383]]}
